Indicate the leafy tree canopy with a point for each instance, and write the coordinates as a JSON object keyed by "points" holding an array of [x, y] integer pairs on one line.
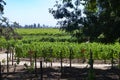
{"points": [[102, 17], [2, 3]]}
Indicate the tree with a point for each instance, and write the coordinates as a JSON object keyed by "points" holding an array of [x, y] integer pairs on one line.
{"points": [[5, 29], [38, 25], [110, 18], [102, 17], [15, 25], [2, 3], [71, 13]]}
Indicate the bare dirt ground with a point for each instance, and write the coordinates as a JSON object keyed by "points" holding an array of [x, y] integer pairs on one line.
{"points": [[55, 73], [78, 71]]}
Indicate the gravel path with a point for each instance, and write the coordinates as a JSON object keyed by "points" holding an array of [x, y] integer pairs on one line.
{"points": [[57, 64], [3, 56]]}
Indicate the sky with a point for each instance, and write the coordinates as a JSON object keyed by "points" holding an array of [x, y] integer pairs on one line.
{"points": [[30, 11]]}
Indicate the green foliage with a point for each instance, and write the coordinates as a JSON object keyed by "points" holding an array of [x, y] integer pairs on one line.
{"points": [[2, 42], [69, 12], [102, 17], [31, 68], [91, 75], [40, 31], [2, 3], [50, 50], [18, 60], [3, 61], [44, 35], [7, 31]]}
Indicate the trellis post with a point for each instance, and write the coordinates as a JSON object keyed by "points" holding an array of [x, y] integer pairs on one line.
{"points": [[41, 71], [0, 71]]}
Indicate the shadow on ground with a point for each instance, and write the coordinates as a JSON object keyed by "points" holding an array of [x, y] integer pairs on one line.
{"points": [[67, 73]]}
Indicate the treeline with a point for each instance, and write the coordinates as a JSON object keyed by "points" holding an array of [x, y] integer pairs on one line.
{"points": [[35, 26]]}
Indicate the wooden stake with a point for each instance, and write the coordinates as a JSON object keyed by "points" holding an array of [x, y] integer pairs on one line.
{"points": [[0, 71], [61, 60], [91, 60], [7, 63], [35, 64], [41, 71], [70, 57], [12, 56]]}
